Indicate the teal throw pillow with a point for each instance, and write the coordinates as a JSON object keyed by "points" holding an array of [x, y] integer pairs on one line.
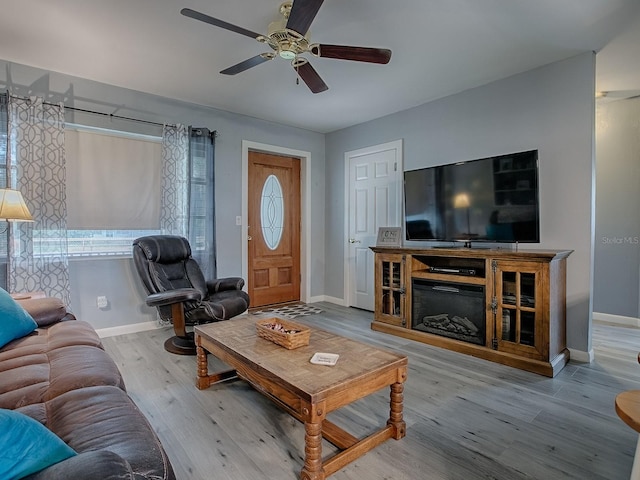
{"points": [[27, 446], [15, 322]]}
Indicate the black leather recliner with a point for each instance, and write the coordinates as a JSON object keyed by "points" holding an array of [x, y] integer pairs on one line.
{"points": [[177, 287]]}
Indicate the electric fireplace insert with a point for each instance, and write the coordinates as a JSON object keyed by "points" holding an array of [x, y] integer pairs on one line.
{"points": [[449, 309]]}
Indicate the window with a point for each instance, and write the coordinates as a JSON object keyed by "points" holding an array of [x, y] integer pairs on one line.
{"points": [[113, 190], [272, 212], [200, 196], [84, 243], [113, 193]]}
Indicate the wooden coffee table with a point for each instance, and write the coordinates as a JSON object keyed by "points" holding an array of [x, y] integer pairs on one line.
{"points": [[308, 392]]}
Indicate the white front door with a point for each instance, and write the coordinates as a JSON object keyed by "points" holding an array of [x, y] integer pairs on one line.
{"points": [[374, 193]]}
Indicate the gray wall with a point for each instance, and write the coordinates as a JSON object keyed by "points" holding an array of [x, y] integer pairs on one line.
{"points": [[617, 245], [550, 109], [114, 278]]}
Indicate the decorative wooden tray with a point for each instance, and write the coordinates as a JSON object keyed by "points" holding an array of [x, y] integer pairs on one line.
{"points": [[288, 334]]}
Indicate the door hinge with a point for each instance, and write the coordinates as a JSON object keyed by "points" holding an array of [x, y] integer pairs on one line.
{"points": [[395, 166], [494, 343]]}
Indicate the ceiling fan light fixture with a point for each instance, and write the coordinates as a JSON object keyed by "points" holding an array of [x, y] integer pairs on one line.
{"points": [[287, 54]]}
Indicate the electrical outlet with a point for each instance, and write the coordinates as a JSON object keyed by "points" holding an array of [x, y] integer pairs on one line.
{"points": [[102, 302], [238, 220]]}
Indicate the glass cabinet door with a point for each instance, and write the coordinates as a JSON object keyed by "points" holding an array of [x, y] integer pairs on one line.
{"points": [[392, 291], [517, 294]]}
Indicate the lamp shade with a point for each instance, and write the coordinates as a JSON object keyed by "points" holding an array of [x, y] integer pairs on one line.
{"points": [[461, 201], [12, 206]]}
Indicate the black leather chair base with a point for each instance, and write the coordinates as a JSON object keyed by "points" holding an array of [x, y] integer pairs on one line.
{"points": [[181, 345]]}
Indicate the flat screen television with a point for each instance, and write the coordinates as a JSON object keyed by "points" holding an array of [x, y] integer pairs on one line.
{"points": [[487, 200]]}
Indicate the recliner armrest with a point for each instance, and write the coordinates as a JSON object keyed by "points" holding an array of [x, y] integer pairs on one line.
{"points": [[179, 295], [221, 284]]}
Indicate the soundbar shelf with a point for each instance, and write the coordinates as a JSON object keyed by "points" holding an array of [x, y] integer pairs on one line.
{"points": [[445, 277]]}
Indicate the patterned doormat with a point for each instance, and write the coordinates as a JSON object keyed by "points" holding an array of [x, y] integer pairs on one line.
{"points": [[287, 311]]}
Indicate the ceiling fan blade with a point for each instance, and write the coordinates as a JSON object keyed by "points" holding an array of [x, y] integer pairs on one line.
{"points": [[302, 14], [620, 94], [187, 12], [357, 54], [309, 75], [247, 64]]}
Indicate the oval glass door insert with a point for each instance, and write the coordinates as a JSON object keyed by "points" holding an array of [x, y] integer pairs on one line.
{"points": [[272, 212]]}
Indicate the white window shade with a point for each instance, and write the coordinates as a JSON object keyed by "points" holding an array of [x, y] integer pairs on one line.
{"points": [[113, 182]]}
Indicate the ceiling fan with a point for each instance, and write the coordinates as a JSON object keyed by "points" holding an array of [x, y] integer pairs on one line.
{"points": [[288, 38]]}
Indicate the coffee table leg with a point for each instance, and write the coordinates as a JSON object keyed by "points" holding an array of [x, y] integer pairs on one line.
{"points": [[395, 415], [312, 469], [203, 368]]}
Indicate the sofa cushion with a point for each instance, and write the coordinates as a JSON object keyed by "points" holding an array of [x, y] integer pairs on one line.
{"points": [[15, 322], [43, 340], [105, 418], [53, 361], [26, 446], [99, 464], [46, 311]]}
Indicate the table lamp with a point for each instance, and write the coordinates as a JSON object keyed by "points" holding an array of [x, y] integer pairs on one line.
{"points": [[12, 206], [12, 209]]}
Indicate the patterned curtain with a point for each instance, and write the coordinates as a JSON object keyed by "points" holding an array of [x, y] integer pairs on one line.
{"points": [[36, 167], [174, 204]]}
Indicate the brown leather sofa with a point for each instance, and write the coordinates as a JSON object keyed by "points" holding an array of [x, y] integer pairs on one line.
{"points": [[61, 376]]}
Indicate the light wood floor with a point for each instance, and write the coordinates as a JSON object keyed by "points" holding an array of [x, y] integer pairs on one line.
{"points": [[466, 418]]}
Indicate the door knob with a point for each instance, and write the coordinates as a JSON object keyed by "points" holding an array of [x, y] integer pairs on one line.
{"points": [[353, 240], [249, 237]]}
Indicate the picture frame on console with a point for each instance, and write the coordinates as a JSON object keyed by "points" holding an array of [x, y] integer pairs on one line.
{"points": [[389, 237]]}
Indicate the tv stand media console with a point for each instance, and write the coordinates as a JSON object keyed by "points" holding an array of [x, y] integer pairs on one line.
{"points": [[507, 306]]}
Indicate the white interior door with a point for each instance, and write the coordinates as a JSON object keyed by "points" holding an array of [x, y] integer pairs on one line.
{"points": [[374, 184]]}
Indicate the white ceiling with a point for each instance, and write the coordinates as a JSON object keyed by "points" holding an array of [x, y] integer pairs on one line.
{"points": [[440, 47]]}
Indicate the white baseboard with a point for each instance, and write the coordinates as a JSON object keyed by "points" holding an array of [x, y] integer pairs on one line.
{"points": [[124, 329], [617, 319], [316, 299], [581, 356], [325, 298]]}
